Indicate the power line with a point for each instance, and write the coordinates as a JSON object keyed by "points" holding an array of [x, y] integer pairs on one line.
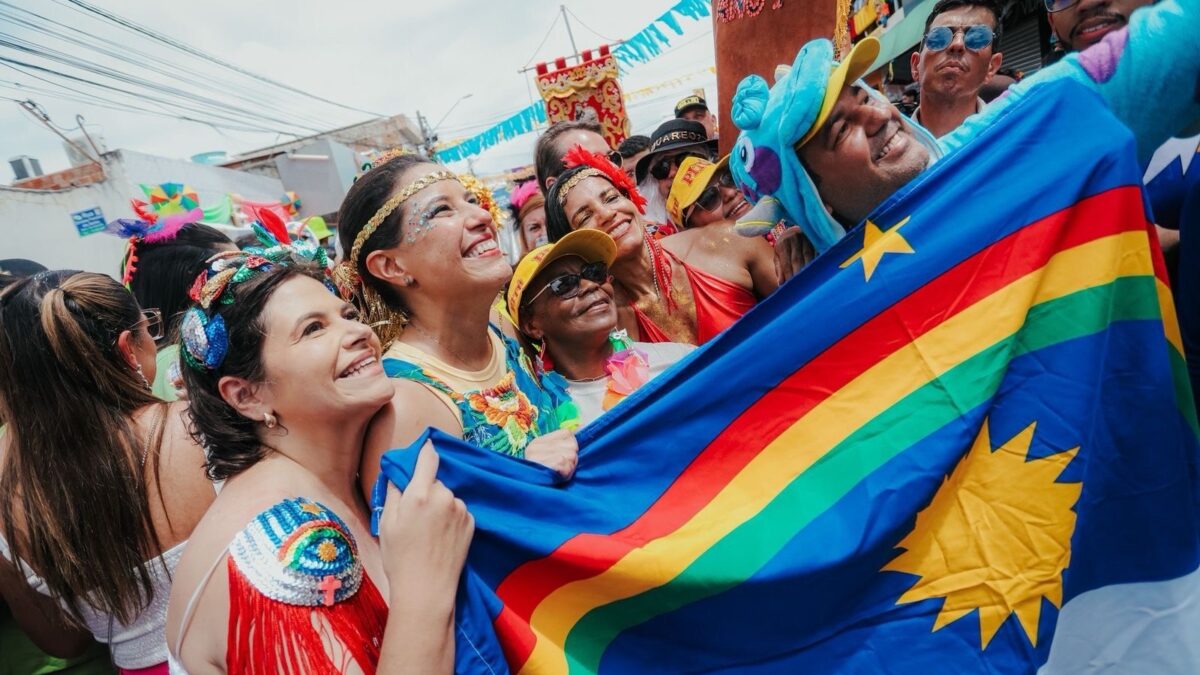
{"points": [[153, 35], [131, 55], [543, 42], [19, 65], [180, 95], [590, 29]]}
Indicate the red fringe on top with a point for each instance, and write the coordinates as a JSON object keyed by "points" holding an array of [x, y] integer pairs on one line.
{"points": [[267, 637]]}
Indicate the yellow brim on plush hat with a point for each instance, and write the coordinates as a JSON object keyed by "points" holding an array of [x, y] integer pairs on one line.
{"points": [[591, 245], [854, 66], [693, 176]]}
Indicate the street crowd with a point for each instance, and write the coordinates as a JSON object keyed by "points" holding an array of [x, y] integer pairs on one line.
{"points": [[188, 458]]}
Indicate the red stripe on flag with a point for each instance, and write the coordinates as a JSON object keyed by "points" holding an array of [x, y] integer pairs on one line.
{"points": [[977, 277]]}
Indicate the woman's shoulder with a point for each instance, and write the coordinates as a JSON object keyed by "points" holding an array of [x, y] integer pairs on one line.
{"points": [[283, 546], [296, 550]]}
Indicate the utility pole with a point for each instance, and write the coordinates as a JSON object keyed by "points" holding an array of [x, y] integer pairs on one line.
{"points": [[426, 134], [567, 23]]}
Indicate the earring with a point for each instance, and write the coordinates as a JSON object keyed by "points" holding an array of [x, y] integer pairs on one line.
{"points": [[270, 420], [407, 280], [145, 382]]}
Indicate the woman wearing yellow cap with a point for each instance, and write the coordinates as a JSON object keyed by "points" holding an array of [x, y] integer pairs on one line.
{"points": [[422, 262], [561, 297], [663, 294], [703, 205]]}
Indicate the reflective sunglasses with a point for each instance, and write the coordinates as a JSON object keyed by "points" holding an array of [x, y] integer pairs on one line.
{"points": [[567, 285], [662, 168], [975, 37], [154, 323], [1053, 6]]}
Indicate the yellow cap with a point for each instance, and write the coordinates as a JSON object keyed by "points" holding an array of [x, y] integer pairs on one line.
{"points": [[693, 176], [855, 65], [591, 245]]}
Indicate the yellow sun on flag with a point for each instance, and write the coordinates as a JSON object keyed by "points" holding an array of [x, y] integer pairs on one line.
{"points": [[996, 537]]}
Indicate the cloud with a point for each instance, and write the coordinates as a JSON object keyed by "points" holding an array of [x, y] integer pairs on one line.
{"points": [[389, 57]]}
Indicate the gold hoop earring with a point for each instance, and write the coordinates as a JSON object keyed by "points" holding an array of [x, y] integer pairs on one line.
{"points": [[270, 420]]}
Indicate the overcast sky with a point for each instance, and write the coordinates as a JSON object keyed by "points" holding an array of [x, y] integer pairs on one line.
{"points": [[386, 57]]}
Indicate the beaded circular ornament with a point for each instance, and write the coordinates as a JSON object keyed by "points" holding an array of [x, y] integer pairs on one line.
{"points": [[299, 553]]}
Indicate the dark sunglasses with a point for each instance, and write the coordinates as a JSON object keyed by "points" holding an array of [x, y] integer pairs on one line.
{"points": [[1053, 6], [615, 157], [567, 285], [662, 168], [710, 200], [975, 37]]}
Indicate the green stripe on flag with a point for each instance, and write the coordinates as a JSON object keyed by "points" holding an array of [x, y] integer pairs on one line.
{"points": [[746, 549]]}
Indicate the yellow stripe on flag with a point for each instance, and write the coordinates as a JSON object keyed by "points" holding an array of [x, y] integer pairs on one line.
{"points": [[910, 367]]}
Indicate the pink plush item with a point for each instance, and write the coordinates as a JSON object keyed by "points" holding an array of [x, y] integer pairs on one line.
{"points": [[627, 370], [523, 193]]}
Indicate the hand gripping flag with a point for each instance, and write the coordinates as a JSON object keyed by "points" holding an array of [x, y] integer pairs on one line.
{"points": [[963, 440]]}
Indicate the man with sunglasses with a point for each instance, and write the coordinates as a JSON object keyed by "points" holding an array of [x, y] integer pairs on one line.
{"points": [[1172, 176], [837, 149], [957, 57], [671, 143]]}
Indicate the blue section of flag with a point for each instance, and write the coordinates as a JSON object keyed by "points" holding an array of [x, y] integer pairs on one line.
{"points": [[824, 602]]}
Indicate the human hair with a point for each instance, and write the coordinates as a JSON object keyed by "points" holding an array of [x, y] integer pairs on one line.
{"points": [[548, 157], [557, 223], [368, 194], [633, 145], [230, 439], [246, 241], [167, 268], [532, 204], [71, 469], [944, 6]]}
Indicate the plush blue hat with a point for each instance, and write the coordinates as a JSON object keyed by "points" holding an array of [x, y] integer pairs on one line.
{"points": [[775, 120]]}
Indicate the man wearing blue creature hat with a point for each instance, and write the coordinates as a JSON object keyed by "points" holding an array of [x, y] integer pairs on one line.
{"points": [[821, 150]]}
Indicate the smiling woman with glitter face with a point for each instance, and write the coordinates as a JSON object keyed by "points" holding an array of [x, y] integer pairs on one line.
{"points": [[422, 260]]}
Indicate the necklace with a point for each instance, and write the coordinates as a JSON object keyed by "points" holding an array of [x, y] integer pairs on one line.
{"points": [[653, 267], [432, 338]]}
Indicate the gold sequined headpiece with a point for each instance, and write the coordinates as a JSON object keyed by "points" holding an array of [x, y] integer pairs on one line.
{"points": [[574, 180], [391, 205]]}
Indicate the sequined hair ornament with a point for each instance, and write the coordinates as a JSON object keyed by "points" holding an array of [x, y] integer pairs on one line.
{"points": [[598, 165], [203, 334]]}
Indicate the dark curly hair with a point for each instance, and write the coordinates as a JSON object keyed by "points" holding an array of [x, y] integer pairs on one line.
{"points": [[231, 439], [557, 223]]}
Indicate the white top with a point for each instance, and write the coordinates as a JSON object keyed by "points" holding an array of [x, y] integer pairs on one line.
{"points": [[140, 644], [589, 396]]}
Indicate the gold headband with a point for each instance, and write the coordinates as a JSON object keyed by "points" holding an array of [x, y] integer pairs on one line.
{"points": [[393, 204], [574, 180]]}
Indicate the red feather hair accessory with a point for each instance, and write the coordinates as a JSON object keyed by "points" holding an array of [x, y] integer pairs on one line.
{"points": [[578, 156], [272, 223]]}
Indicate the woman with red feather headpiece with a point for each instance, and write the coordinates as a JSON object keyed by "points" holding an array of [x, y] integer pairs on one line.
{"points": [[662, 295]]}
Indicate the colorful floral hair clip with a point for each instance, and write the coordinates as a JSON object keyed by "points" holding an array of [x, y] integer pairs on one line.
{"points": [[599, 165]]}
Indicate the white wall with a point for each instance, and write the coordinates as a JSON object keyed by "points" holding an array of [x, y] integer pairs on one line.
{"points": [[36, 224]]}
